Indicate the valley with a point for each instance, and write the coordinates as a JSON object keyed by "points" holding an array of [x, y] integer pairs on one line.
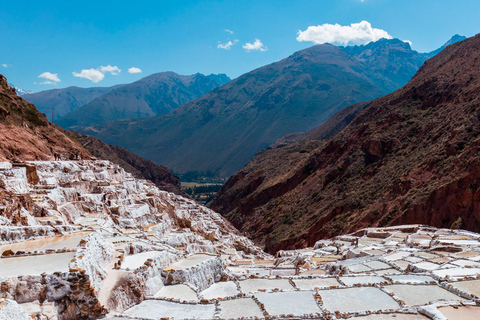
{"points": [[243, 160]]}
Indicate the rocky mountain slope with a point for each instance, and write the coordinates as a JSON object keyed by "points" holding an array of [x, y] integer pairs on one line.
{"points": [[156, 94], [25, 133], [64, 100], [222, 130], [410, 156]]}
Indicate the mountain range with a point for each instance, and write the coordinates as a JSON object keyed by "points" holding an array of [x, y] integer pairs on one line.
{"points": [[155, 94], [408, 157], [223, 129], [64, 100]]}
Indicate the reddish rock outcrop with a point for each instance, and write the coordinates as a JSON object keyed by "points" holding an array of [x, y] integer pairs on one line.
{"points": [[25, 133]]}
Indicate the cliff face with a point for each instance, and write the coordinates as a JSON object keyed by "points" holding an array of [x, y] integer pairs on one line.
{"points": [[25, 133], [409, 157]]}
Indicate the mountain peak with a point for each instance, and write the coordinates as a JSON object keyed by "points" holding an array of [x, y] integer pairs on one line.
{"points": [[456, 38]]}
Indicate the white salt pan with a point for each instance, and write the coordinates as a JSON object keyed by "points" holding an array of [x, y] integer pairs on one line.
{"points": [[220, 290], [240, 308], [156, 309], [295, 302], [179, 291]]}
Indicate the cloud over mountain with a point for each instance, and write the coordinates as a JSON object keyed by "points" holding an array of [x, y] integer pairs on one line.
{"points": [[93, 75], [134, 70], [112, 69], [97, 75], [257, 45], [52, 78], [355, 33]]}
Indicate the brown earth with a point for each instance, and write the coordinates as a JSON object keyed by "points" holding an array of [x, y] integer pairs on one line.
{"points": [[25, 133], [409, 157]]}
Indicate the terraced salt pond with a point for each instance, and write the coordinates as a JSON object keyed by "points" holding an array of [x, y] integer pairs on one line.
{"points": [[155, 309], [190, 261], [463, 313], [254, 285], [239, 308], [472, 287], [417, 295], [68, 241], [220, 290], [35, 265], [135, 261], [356, 299], [310, 284], [296, 303], [179, 291]]}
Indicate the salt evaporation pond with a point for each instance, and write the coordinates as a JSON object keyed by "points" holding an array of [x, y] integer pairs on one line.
{"points": [[457, 272], [421, 294], [297, 303], [472, 287], [392, 316], [68, 241], [178, 291], [411, 278], [190, 261], [350, 281], [35, 265], [463, 313], [135, 261], [356, 299], [310, 284], [240, 308], [252, 285], [220, 290], [155, 309]]}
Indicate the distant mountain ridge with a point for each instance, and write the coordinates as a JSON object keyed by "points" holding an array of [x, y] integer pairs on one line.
{"points": [[65, 100], [222, 130], [156, 94]]}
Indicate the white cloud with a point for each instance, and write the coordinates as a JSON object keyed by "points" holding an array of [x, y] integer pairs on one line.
{"points": [[134, 70], [356, 33], [112, 69], [229, 31], [256, 45], [97, 75], [52, 78], [227, 45], [4, 65], [93, 75], [408, 41]]}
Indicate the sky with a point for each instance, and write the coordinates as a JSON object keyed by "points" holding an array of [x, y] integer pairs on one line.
{"points": [[56, 44]]}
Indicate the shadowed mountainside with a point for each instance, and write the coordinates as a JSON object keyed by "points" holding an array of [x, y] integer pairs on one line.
{"points": [[409, 157]]}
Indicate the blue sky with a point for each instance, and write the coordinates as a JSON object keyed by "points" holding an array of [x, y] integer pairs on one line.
{"points": [[63, 37]]}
